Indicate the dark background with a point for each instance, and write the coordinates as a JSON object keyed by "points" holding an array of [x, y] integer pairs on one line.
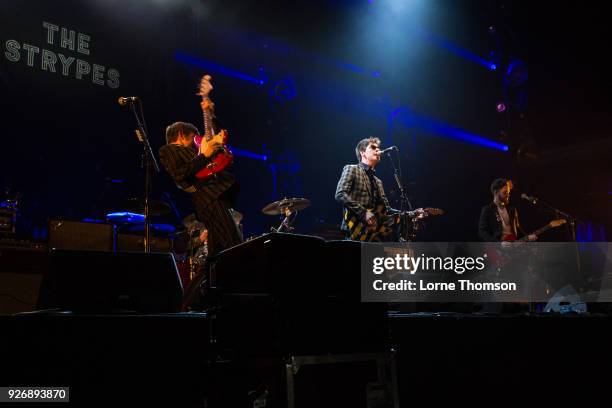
{"points": [[332, 73]]}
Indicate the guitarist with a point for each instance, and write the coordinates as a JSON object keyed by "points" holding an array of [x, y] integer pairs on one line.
{"points": [[359, 189], [498, 220], [212, 197]]}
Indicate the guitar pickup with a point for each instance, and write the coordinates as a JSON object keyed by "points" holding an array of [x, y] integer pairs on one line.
{"points": [[211, 166]]}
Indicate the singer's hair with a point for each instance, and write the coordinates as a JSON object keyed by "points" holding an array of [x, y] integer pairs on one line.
{"points": [[498, 184], [172, 131], [363, 145]]}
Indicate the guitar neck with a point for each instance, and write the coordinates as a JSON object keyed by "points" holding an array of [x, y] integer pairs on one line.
{"points": [[207, 119], [536, 232]]}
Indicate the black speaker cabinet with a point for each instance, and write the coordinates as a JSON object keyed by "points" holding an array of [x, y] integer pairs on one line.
{"points": [[106, 282], [132, 242], [21, 271], [67, 234]]}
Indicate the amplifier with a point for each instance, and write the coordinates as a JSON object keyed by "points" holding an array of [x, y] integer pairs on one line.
{"points": [[131, 242], [67, 234], [8, 218]]}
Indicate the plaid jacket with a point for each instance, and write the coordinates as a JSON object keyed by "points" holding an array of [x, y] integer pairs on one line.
{"points": [[354, 191]]}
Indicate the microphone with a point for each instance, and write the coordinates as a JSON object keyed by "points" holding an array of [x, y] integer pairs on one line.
{"points": [[388, 149], [124, 100], [531, 199]]}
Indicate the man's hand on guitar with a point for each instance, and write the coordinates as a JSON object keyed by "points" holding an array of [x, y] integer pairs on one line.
{"points": [[207, 104], [370, 218], [420, 214], [208, 149]]}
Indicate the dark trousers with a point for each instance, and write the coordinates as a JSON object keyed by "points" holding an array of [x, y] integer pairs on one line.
{"points": [[223, 232]]}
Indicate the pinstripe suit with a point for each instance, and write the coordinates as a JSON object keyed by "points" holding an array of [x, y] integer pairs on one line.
{"points": [[354, 191], [211, 197]]}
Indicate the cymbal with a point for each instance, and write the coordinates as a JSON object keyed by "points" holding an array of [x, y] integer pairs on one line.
{"points": [[125, 217], [156, 207], [236, 215], [292, 204]]}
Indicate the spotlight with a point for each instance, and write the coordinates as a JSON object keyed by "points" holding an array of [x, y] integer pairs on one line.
{"points": [[516, 74], [492, 29], [501, 107]]}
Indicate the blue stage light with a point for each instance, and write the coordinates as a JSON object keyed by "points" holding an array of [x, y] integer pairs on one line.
{"points": [[214, 67]]}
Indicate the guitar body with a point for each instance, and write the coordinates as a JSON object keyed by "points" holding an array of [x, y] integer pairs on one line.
{"points": [[221, 160], [385, 223], [359, 231], [499, 256]]}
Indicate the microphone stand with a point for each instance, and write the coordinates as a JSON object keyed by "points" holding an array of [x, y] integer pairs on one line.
{"points": [[572, 222], [405, 201], [148, 162]]}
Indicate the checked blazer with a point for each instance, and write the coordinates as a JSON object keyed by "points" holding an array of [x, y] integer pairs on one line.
{"points": [[354, 191]]}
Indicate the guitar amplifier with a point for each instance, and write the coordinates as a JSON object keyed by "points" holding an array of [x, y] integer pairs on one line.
{"points": [[67, 234], [133, 242], [8, 219]]}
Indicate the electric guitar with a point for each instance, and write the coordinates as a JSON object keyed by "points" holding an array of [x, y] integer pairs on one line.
{"points": [[223, 157], [552, 224], [385, 223], [500, 255]]}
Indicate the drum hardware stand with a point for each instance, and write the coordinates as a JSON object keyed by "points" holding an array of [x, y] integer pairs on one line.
{"points": [[288, 207], [148, 163], [285, 225]]}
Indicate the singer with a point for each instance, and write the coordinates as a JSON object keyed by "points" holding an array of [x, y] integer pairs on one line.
{"points": [[498, 220], [359, 190]]}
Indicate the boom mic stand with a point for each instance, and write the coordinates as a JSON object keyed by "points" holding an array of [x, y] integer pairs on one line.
{"points": [[405, 201], [148, 163], [572, 222]]}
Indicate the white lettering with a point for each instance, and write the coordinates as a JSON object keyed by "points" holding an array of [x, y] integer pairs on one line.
{"points": [[113, 78], [12, 51], [31, 51], [98, 74], [377, 268], [48, 60], [83, 68], [67, 38], [51, 30], [66, 62], [83, 43]]}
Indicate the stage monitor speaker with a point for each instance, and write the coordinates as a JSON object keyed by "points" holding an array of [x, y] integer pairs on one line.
{"points": [[107, 282], [67, 234]]}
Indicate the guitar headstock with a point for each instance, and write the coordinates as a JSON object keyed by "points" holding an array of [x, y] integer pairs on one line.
{"points": [[434, 211], [557, 223], [205, 86]]}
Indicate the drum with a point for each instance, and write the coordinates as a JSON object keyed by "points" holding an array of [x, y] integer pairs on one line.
{"points": [[184, 270]]}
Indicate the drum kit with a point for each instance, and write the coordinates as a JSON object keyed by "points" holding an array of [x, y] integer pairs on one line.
{"points": [[189, 239]]}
